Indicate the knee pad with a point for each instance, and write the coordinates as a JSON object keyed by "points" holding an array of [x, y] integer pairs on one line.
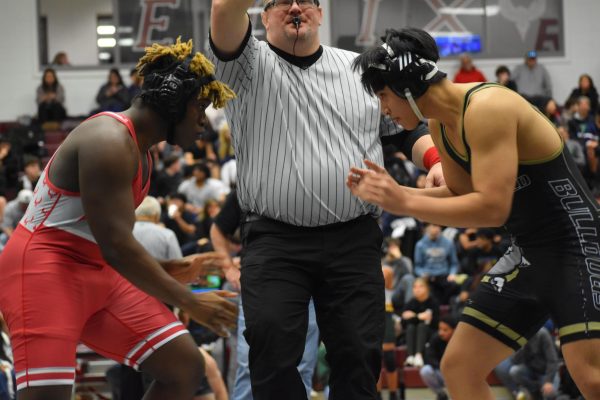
{"points": [[389, 360]]}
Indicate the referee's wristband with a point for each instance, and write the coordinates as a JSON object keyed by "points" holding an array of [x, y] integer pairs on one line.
{"points": [[430, 158]]}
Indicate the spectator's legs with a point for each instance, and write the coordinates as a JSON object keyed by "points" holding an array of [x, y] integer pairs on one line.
{"points": [[411, 338], [525, 378], [502, 371], [433, 379], [421, 337], [242, 389]]}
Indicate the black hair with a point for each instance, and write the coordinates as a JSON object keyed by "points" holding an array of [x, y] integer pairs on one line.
{"points": [[179, 196], [502, 69], [405, 41], [486, 233], [170, 160], [116, 72], [45, 86], [201, 166], [449, 320]]}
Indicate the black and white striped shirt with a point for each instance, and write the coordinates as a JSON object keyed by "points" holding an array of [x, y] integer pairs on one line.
{"points": [[297, 131]]}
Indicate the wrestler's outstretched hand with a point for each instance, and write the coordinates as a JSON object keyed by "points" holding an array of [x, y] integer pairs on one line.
{"points": [[193, 268], [374, 185], [213, 310]]}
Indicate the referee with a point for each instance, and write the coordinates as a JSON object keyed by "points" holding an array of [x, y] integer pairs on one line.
{"points": [[300, 121]]}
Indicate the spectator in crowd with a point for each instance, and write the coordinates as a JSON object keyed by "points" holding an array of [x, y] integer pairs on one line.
{"points": [[31, 173], [552, 112], [50, 98], [434, 351], [532, 372], [179, 218], [419, 319], [484, 255], [586, 88], [575, 148], [135, 87], [225, 144], [168, 178], [159, 241], [569, 110], [533, 80], [13, 212], [113, 95], [201, 187], [61, 59], [436, 261], [9, 167], [503, 77], [582, 126], [468, 72], [402, 268]]}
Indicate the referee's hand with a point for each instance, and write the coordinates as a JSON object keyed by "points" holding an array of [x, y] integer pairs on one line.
{"points": [[435, 176]]}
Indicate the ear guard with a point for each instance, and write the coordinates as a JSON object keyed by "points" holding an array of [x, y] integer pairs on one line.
{"points": [[408, 75], [169, 92]]}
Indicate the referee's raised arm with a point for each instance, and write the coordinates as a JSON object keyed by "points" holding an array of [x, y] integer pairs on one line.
{"points": [[229, 24]]}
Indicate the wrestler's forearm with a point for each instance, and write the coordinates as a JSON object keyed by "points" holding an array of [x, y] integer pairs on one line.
{"points": [[470, 210], [142, 270], [439, 192]]}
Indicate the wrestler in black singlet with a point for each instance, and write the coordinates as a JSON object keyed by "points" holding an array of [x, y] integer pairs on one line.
{"points": [[553, 267]]}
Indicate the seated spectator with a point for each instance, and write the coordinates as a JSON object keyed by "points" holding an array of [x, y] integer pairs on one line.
{"points": [[31, 173], [159, 241], [179, 219], [61, 59], [136, 84], [552, 112], [533, 80], [50, 98], [504, 79], [434, 351], [402, 268], [586, 88], [478, 262], [9, 168], [168, 179], [467, 72], [225, 150], [113, 95], [436, 261], [574, 146], [582, 126], [532, 372], [569, 110], [201, 187], [420, 320], [13, 212]]}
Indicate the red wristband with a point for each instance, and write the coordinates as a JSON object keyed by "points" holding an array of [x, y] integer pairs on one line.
{"points": [[430, 158]]}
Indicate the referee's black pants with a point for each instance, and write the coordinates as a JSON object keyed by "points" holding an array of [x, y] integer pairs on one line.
{"points": [[339, 265]]}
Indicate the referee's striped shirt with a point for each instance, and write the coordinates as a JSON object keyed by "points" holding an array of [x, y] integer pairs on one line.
{"points": [[296, 133]]}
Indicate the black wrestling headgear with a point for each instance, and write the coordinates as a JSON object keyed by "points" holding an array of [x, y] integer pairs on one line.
{"points": [[169, 89]]}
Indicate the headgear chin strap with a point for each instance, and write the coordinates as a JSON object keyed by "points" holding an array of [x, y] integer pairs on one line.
{"points": [[168, 91]]}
